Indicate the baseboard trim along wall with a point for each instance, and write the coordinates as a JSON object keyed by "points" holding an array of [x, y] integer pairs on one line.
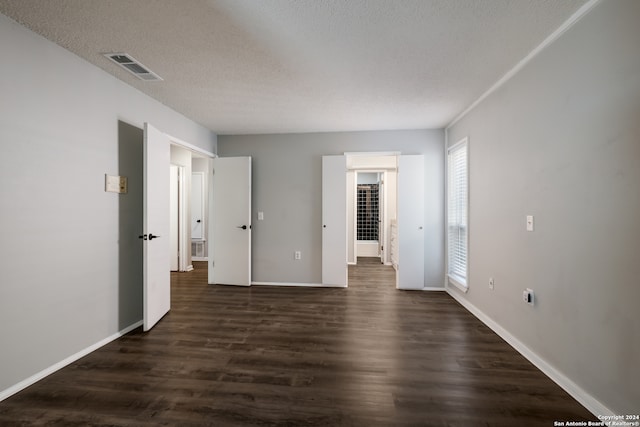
{"points": [[53, 368], [307, 285], [588, 401], [434, 289]]}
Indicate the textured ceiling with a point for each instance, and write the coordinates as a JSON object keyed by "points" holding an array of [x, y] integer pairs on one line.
{"points": [[274, 66]]}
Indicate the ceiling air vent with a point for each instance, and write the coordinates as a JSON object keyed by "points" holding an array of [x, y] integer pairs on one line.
{"points": [[127, 62]]}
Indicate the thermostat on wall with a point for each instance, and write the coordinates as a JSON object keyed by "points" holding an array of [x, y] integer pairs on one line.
{"points": [[115, 184]]}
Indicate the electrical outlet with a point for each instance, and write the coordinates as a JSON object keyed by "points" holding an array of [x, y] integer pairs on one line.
{"points": [[297, 255], [527, 296], [491, 283]]}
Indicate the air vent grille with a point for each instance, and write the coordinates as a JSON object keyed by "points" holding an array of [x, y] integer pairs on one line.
{"points": [[133, 66]]}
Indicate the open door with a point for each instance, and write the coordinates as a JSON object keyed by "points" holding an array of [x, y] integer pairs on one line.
{"points": [[334, 220], [410, 271], [156, 259], [230, 222]]}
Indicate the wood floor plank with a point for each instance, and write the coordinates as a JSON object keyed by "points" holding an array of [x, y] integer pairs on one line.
{"points": [[368, 355]]}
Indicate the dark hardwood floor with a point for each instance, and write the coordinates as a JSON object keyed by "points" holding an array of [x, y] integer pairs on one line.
{"points": [[369, 355]]}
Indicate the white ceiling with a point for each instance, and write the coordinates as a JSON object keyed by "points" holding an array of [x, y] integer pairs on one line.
{"points": [[275, 66]]}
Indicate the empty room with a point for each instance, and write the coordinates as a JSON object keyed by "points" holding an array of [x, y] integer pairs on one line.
{"points": [[320, 212]]}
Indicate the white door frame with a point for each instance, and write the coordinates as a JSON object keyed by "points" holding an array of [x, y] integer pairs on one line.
{"points": [[184, 263], [174, 217], [184, 222], [385, 170]]}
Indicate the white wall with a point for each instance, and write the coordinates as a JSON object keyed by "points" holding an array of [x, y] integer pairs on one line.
{"points": [[287, 188], [367, 178], [66, 245], [561, 141]]}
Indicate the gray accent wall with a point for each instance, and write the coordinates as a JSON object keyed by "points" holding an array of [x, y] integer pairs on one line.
{"points": [[287, 187], [70, 259], [561, 141]]}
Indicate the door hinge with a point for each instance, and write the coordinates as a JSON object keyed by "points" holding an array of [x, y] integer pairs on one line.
{"points": [[213, 263], [213, 171]]}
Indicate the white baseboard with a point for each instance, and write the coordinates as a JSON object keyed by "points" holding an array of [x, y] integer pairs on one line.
{"points": [[305, 285], [434, 289], [53, 368], [588, 401], [199, 258]]}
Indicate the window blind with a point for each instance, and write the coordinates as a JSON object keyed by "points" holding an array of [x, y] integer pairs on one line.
{"points": [[457, 215]]}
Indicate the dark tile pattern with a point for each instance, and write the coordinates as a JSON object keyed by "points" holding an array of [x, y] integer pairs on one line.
{"points": [[368, 212]]}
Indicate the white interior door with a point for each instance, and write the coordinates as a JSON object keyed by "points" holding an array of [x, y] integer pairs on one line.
{"points": [[410, 271], [334, 220], [197, 205], [156, 278], [230, 221]]}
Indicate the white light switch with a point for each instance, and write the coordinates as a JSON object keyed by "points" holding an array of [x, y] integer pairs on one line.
{"points": [[260, 216], [115, 184], [529, 222]]}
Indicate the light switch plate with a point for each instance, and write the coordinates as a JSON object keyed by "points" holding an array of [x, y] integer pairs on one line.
{"points": [[260, 216], [115, 184], [529, 222]]}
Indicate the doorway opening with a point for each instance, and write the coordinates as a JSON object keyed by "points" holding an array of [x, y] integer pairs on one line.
{"points": [[160, 151], [401, 229], [188, 207], [371, 206]]}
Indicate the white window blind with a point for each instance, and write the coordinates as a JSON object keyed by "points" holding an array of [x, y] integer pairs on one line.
{"points": [[457, 215]]}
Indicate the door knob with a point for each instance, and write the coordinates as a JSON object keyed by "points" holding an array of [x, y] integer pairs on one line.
{"points": [[151, 237], [143, 237], [198, 221], [244, 227]]}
